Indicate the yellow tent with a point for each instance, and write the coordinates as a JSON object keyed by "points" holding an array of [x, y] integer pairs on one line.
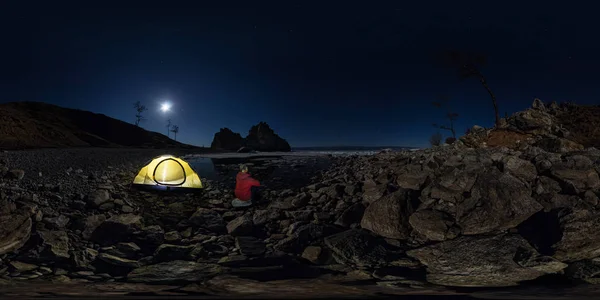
{"points": [[166, 172]]}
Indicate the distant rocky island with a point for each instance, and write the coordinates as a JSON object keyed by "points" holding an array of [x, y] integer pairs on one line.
{"points": [[260, 138]]}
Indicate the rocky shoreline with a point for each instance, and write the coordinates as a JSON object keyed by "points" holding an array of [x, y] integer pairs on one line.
{"points": [[427, 221]]}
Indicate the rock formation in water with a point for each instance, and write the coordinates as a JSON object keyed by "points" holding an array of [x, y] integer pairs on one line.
{"points": [[260, 138], [226, 139]]}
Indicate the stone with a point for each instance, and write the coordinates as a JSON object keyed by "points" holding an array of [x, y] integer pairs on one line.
{"points": [[301, 200], [351, 215], [520, 168], [90, 224], [116, 229], [434, 225], [497, 201], [166, 252], [98, 197], [304, 235], [412, 177], [484, 261], [250, 246], [174, 272], [127, 209], [388, 216], [149, 237], [240, 226], [82, 259], [312, 254], [580, 238], [208, 219], [59, 222], [126, 250], [22, 267], [359, 248], [265, 216], [55, 244], [15, 230], [118, 261], [373, 191], [172, 236]]}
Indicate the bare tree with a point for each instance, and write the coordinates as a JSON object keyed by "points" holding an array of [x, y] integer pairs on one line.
{"points": [[175, 130], [139, 108], [168, 127], [450, 115], [469, 66], [435, 139]]}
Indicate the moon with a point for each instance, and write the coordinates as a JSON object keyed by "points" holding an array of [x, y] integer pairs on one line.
{"points": [[165, 107]]}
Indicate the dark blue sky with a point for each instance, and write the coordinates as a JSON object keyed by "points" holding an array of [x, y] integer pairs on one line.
{"points": [[319, 72]]}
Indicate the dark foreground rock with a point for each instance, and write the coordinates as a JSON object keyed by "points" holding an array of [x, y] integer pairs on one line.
{"points": [[502, 260], [174, 272]]}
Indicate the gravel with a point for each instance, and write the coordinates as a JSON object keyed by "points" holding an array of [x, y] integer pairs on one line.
{"points": [[69, 167]]}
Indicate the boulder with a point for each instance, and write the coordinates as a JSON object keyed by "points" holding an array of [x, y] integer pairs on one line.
{"points": [[15, 230], [351, 215], [481, 200], [580, 237], [54, 245], [412, 177], [484, 261], [434, 225], [372, 191], [90, 224], [520, 168], [117, 228], [208, 219], [357, 247], [240, 226], [388, 216]]}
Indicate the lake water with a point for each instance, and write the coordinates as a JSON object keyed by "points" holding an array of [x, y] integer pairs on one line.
{"points": [[276, 172]]}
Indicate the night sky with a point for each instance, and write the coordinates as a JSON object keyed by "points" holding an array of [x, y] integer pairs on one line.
{"points": [[321, 73]]}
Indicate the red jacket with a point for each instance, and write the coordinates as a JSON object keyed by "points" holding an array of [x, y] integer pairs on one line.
{"points": [[243, 183]]}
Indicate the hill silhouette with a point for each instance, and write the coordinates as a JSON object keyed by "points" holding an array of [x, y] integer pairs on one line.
{"points": [[26, 125]]}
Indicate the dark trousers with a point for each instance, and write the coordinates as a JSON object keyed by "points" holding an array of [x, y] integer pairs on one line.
{"points": [[255, 193]]}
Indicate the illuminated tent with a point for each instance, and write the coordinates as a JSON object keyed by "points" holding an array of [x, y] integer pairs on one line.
{"points": [[167, 172]]}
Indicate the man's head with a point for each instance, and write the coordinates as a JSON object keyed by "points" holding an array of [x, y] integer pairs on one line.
{"points": [[243, 168]]}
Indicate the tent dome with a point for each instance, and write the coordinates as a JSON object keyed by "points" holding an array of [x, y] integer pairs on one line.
{"points": [[168, 171]]}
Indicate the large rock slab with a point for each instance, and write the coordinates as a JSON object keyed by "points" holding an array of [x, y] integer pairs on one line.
{"points": [[497, 202], [580, 236], [388, 216], [15, 230], [359, 248], [485, 261], [174, 272], [482, 200]]}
